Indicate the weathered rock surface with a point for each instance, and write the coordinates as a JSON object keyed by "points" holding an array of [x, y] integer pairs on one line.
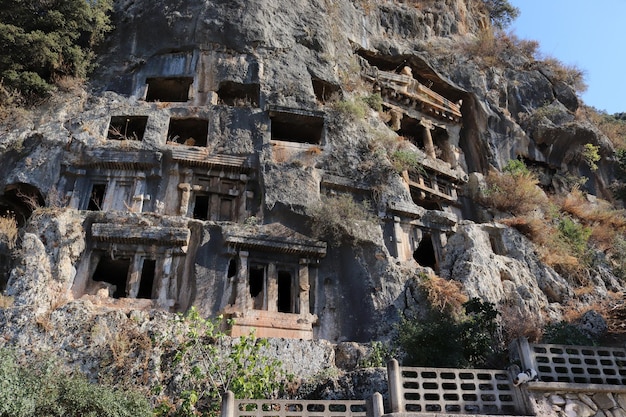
{"points": [[252, 66]]}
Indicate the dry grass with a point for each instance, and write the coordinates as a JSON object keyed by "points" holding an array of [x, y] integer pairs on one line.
{"points": [[569, 74], [613, 128], [6, 301], [516, 325], [605, 222], [493, 49], [574, 310], [552, 250], [443, 294], [514, 193], [8, 231]]}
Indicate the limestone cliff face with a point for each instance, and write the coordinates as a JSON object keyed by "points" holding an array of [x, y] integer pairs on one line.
{"points": [[194, 171]]}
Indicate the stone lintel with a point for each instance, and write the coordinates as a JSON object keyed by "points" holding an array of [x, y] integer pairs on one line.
{"points": [[273, 237], [200, 157], [339, 182], [440, 218], [130, 234], [273, 324], [442, 168], [118, 159], [406, 209], [310, 248], [297, 112]]}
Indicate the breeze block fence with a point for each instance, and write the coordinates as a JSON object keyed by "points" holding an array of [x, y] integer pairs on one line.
{"points": [[573, 381]]}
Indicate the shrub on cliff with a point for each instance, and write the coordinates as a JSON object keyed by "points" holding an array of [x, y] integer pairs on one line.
{"points": [[339, 219], [515, 191], [45, 41], [470, 340], [41, 389]]}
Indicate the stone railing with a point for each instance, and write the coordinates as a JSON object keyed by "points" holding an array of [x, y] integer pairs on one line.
{"points": [[574, 381], [458, 391], [232, 407], [573, 364]]}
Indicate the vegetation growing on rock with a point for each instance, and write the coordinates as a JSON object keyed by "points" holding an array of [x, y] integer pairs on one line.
{"points": [[45, 42]]}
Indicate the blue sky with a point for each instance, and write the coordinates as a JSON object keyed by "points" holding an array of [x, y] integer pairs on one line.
{"points": [[585, 33]]}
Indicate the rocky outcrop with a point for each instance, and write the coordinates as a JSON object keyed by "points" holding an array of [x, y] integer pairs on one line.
{"points": [[191, 175], [499, 265]]}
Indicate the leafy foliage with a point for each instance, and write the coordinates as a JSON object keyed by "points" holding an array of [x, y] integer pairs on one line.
{"points": [[351, 109], [446, 341], [42, 389], [47, 40], [375, 101], [378, 356], [218, 366], [591, 155], [501, 12], [564, 333], [406, 160], [575, 235]]}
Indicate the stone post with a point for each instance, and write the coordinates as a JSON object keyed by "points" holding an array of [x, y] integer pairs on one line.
{"points": [[228, 405], [524, 353], [377, 405], [429, 146], [270, 301], [304, 286], [394, 376], [243, 299]]}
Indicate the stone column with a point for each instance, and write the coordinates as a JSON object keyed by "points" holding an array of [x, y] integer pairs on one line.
{"points": [[397, 236], [270, 301], [185, 186], [304, 286], [165, 285], [243, 299], [139, 194], [134, 277], [184, 198], [429, 147]]}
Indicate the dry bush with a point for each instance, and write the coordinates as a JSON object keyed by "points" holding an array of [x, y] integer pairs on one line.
{"points": [[340, 219], [515, 325], [495, 48], [533, 228], [574, 309], [605, 222], [569, 74], [612, 127], [8, 231], [6, 301], [443, 295], [514, 193], [551, 248]]}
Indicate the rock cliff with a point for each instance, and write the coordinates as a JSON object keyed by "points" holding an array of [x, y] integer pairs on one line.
{"points": [[296, 167]]}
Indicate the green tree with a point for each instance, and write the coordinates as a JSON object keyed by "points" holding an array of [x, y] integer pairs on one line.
{"points": [[218, 364], [447, 341], [46, 40], [501, 12]]}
